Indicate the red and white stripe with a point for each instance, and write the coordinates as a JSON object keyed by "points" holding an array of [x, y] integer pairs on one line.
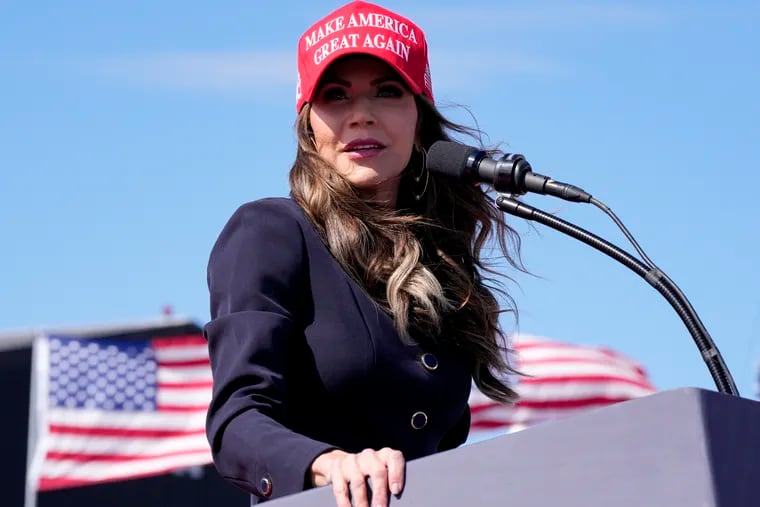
{"points": [[560, 379]]}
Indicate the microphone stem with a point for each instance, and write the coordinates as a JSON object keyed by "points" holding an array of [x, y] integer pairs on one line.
{"points": [[655, 277]]}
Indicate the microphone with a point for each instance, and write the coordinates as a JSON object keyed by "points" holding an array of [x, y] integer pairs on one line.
{"points": [[510, 174]]}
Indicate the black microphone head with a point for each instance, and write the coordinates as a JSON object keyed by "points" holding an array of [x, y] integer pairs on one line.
{"points": [[449, 158]]}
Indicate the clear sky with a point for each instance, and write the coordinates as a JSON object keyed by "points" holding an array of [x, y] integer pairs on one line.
{"points": [[130, 131]]}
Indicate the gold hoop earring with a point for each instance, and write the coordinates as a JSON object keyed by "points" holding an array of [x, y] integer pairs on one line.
{"points": [[419, 176]]}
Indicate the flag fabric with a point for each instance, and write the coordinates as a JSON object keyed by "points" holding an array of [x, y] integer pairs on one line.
{"points": [[560, 379], [108, 410]]}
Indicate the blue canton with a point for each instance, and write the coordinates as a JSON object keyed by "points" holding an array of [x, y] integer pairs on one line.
{"points": [[113, 375]]}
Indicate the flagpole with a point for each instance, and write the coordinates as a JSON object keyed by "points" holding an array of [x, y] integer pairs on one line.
{"points": [[37, 404]]}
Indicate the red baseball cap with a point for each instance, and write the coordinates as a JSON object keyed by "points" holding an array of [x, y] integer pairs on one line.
{"points": [[367, 29]]}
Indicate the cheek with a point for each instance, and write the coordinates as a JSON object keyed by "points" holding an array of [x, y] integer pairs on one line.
{"points": [[324, 135], [406, 132]]}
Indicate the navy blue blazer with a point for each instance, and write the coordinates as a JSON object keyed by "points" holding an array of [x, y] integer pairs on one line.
{"points": [[304, 361]]}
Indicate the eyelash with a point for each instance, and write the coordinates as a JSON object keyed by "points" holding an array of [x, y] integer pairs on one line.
{"points": [[384, 91], [333, 93]]}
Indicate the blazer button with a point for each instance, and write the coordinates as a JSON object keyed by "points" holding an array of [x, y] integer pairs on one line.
{"points": [[429, 361], [265, 485], [419, 420]]}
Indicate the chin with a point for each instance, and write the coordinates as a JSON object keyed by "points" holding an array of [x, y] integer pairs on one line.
{"points": [[368, 174], [365, 177]]}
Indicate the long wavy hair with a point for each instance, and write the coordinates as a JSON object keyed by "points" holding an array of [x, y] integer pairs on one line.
{"points": [[421, 262]]}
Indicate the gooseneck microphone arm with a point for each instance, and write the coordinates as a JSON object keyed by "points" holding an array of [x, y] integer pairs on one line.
{"points": [[512, 175], [653, 275]]}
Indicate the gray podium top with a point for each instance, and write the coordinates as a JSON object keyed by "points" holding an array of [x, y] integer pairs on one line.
{"points": [[686, 447]]}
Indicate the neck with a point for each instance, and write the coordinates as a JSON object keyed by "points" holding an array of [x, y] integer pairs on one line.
{"points": [[384, 194]]}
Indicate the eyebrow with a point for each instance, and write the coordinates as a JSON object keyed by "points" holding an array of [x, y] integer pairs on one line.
{"points": [[374, 82]]}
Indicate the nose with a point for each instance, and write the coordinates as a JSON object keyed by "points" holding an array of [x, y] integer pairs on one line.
{"points": [[362, 113]]}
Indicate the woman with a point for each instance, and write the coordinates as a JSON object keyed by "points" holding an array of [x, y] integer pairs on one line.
{"points": [[349, 321]]}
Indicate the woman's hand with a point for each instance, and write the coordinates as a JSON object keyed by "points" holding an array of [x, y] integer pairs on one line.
{"points": [[348, 474]]}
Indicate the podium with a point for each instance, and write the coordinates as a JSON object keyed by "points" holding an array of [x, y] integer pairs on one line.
{"points": [[680, 448]]}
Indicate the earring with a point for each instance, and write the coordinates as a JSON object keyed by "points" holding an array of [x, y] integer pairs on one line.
{"points": [[419, 186]]}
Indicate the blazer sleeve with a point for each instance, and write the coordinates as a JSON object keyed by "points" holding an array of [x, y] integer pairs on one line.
{"points": [[256, 273]]}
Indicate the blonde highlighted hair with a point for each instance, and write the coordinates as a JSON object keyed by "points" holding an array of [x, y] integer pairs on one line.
{"points": [[422, 261]]}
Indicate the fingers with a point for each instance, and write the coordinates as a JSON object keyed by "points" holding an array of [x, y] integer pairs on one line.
{"points": [[375, 468], [339, 487], [349, 482], [396, 465], [384, 469], [340, 482]]}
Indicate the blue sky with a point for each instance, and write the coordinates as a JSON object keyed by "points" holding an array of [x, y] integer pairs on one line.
{"points": [[130, 132]]}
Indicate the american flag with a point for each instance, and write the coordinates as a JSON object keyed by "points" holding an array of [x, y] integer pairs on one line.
{"points": [[109, 410], [561, 379]]}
